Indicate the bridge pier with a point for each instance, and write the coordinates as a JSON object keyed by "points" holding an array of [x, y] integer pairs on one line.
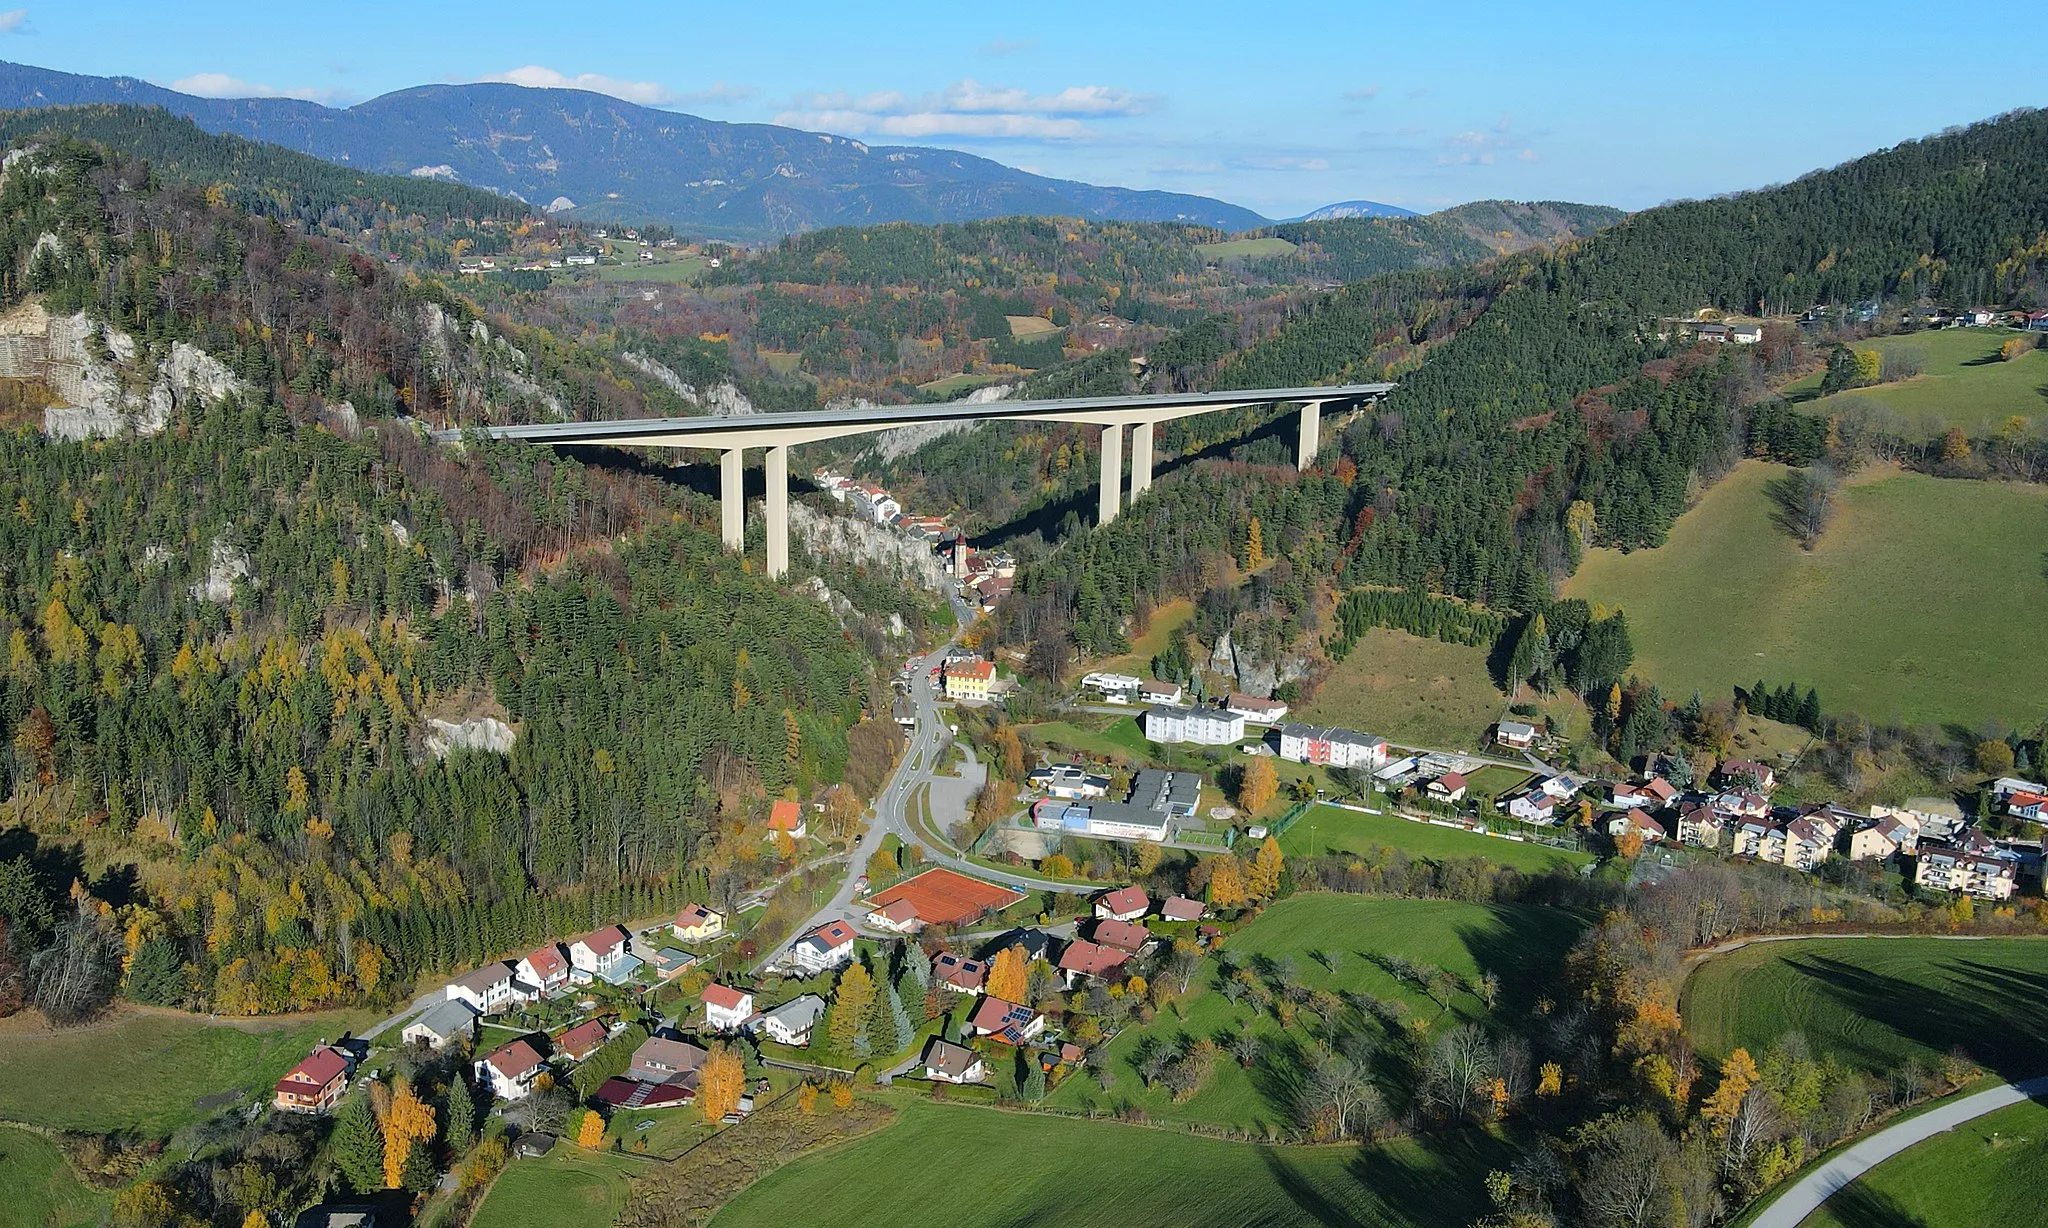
{"points": [[778, 511], [1112, 473], [1141, 458], [1311, 434], [732, 495]]}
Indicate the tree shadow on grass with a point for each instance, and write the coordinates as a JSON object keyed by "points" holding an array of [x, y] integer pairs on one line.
{"points": [[1998, 1015], [1525, 947], [1859, 1205]]}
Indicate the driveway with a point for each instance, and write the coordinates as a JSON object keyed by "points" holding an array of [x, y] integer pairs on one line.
{"points": [[1804, 1196]]}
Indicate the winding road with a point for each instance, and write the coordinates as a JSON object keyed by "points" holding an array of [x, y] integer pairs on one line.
{"points": [[1804, 1196]]}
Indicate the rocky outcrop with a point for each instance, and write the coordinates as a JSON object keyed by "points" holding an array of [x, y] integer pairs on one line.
{"points": [[486, 371], [478, 733], [893, 445], [97, 376], [909, 560], [226, 566]]}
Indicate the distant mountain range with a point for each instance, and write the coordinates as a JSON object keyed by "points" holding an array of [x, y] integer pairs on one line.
{"points": [[1353, 208], [612, 160]]}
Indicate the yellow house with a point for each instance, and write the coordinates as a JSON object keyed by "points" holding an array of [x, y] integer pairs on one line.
{"points": [[697, 923], [969, 679]]}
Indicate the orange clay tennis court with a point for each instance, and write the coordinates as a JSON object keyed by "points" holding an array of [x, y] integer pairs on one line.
{"points": [[942, 897]]}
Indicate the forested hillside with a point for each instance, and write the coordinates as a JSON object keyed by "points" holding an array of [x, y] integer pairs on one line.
{"points": [[226, 643]]}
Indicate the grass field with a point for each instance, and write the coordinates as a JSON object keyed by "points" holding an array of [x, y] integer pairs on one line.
{"points": [[1244, 249], [782, 362], [1921, 603], [1521, 945], [567, 1188], [1080, 1174], [37, 1188], [1962, 383], [1327, 829], [150, 1072], [1880, 1002], [673, 272], [1993, 1170], [1411, 690], [1028, 328], [1498, 781], [1167, 619]]}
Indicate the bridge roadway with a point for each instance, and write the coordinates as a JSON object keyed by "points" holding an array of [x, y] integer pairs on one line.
{"points": [[731, 436]]}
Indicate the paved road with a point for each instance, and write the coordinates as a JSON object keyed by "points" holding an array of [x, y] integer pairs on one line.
{"points": [[1804, 1196]]}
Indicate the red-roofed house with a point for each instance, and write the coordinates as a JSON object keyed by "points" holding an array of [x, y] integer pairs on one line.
{"points": [[1123, 904], [1181, 908], [1736, 771], [1655, 793], [827, 947], [786, 818], [1089, 961], [727, 1009], [1449, 787], [582, 1040], [600, 951], [316, 1084], [510, 1070], [958, 973], [1634, 820], [969, 680], [897, 916], [1123, 935], [2027, 805], [697, 923], [1006, 1021], [547, 969]]}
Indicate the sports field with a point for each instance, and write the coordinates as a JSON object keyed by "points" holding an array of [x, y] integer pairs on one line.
{"points": [[1029, 1169], [1963, 382], [1993, 1170], [152, 1072], [566, 1188], [38, 1188], [1244, 249], [1328, 829], [1879, 1002], [1521, 945], [942, 897], [1922, 602], [1410, 690]]}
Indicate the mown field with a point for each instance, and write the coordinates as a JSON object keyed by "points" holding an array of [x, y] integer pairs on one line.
{"points": [[1922, 602], [1520, 945], [37, 1188], [1328, 829], [567, 1188], [1963, 382], [1244, 249], [1027, 1169], [1879, 1002], [151, 1072], [1410, 690], [1993, 1170]]}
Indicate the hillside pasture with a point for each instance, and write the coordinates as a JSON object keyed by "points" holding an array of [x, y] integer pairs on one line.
{"points": [[1093, 1174], [151, 1072], [1410, 690], [1031, 328], [1878, 1003], [37, 1186], [1331, 829], [1245, 249], [1963, 382], [1993, 1170], [1921, 602], [566, 1188]]}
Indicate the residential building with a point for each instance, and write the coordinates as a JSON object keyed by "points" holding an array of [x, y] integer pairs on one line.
{"points": [[1126, 936], [509, 1071], [696, 923], [666, 1059], [1069, 781], [1737, 802], [1169, 724], [441, 1024], [1253, 708], [1807, 843], [581, 1041], [1449, 787], [601, 953], [1758, 838], [1125, 685], [2027, 805], [1716, 333], [1166, 693], [959, 973], [1534, 807], [946, 1062], [1330, 746], [897, 917], [1908, 824], [316, 1084], [545, 970], [1081, 960], [726, 1009], [1745, 334], [1564, 786], [1654, 794], [1123, 904], [1700, 824], [823, 949], [1750, 774], [1634, 822], [1181, 908], [791, 1023], [1036, 944], [1943, 867], [786, 818], [1005, 1021], [488, 989], [1515, 735], [2005, 786], [969, 680], [1879, 840]]}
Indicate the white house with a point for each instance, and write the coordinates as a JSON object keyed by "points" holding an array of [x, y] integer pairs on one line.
{"points": [[1167, 725], [1069, 781], [1534, 807], [1515, 734], [791, 1023], [946, 1062], [510, 1070], [1123, 904], [1112, 684], [827, 947], [601, 952], [727, 1009], [1331, 746], [1159, 692], [441, 1024], [1634, 820], [546, 969], [1253, 708], [489, 989]]}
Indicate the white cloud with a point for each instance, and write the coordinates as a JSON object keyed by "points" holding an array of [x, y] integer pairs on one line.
{"points": [[221, 85], [968, 108], [14, 21], [1480, 148], [937, 123], [540, 77], [1363, 93]]}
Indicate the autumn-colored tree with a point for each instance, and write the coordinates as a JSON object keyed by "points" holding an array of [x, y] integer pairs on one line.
{"points": [[1009, 978], [1628, 845], [1009, 751], [408, 1121], [1955, 444], [1994, 757], [842, 812], [1226, 881], [1550, 1080], [1254, 546], [1058, 865], [850, 1010], [807, 1099], [590, 1136], [842, 1094], [1738, 1074], [1869, 366], [720, 1082], [2015, 347], [1264, 880], [1256, 785]]}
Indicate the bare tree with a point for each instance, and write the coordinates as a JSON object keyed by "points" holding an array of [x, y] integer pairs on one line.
{"points": [[1455, 1071], [1340, 1095], [74, 978], [1625, 1183]]}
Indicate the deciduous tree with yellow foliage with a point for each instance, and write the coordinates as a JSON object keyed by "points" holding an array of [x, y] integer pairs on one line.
{"points": [[720, 1082]]}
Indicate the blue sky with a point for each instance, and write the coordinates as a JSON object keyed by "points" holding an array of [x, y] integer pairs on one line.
{"points": [[1279, 107]]}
